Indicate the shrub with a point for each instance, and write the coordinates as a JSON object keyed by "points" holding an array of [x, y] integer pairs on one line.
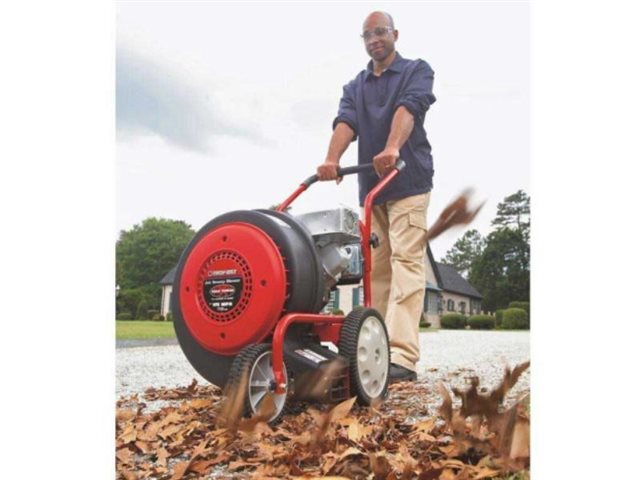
{"points": [[453, 321], [142, 313], [499, 314], [423, 320], [157, 317], [337, 311], [515, 319], [523, 305], [481, 322], [169, 317], [151, 314], [124, 316], [128, 299]]}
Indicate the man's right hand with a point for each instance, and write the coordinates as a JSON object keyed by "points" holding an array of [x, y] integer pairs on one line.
{"points": [[328, 171]]}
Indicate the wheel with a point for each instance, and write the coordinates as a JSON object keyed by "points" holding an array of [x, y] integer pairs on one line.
{"points": [[255, 362], [364, 342]]}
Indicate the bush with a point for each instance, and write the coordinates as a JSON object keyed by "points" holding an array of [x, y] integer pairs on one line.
{"points": [[454, 321], [169, 317], [523, 305], [124, 316], [152, 314], [157, 317], [128, 299], [499, 314], [515, 319], [423, 321], [142, 313], [481, 322]]}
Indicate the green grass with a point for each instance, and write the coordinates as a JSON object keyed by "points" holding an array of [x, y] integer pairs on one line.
{"points": [[143, 329]]}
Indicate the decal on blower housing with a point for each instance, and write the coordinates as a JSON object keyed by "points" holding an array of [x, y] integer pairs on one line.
{"points": [[222, 293]]}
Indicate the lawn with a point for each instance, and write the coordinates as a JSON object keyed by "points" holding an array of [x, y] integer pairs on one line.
{"points": [[143, 329]]}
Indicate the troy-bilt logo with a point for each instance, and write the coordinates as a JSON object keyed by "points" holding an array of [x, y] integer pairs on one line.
{"points": [[217, 273], [222, 291]]}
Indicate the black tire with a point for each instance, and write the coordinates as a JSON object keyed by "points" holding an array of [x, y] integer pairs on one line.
{"points": [[241, 368], [348, 348]]}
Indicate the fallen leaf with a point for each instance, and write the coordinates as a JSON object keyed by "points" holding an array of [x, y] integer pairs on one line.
{"points": [[129, 434], [124, 455], [349, 452], [485, 473]]}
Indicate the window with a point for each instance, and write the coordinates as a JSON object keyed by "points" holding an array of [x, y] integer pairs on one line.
{"points": [[357, 297], [450, 305], [463, 307], [432, 302], [334, 301]]}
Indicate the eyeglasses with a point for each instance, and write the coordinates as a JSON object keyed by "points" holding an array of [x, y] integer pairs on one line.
{"points": [[378, 32]]}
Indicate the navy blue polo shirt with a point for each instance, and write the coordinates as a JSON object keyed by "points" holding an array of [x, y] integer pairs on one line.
{"points": [[368, 104]]}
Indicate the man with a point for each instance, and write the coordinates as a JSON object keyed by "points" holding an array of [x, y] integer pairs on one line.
{"points": [[384, 108]]}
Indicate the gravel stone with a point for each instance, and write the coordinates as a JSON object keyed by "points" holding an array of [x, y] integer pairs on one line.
{"points": [[449, 356]]}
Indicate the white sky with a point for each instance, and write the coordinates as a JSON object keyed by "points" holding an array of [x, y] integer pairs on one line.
{"points": [[229, 106]]}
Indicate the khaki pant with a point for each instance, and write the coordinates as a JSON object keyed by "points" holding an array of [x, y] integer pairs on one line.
{"points": [[398, 276]]}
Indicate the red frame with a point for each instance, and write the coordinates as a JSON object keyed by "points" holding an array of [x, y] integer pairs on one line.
{"points": [[326, 326]]}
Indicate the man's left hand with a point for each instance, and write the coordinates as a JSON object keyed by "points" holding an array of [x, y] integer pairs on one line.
{"points": [[384, 162]]}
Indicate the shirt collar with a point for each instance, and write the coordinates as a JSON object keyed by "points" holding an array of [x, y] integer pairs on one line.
{"points": [[394, 67]]}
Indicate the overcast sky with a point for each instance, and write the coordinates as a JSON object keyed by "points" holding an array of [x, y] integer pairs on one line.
{"points": [[229, 106]]}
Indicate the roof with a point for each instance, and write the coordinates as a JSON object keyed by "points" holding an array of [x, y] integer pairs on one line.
{"points": [[453, 282], [168, 278]]}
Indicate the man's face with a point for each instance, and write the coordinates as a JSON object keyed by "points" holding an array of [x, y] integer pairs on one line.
{"points": [[379, 37]]}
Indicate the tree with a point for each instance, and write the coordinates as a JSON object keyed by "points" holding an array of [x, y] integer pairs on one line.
{"points": [[147, 252], [466, 249], [501, 272], [514, 212]]}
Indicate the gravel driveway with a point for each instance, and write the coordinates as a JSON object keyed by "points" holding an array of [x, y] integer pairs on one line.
{"points": [[450, 356]]}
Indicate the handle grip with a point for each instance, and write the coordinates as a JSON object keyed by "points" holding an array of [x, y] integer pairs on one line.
{"points": [[400, 164]]}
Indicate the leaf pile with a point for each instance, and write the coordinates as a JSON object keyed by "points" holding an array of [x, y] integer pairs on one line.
{"points": [[193, 436]]}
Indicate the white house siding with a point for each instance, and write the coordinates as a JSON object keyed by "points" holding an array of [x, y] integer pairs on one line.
{"points": [[165, 306]]}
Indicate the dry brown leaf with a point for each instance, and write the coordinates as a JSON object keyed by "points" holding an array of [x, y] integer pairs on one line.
{"points": [[266, 410], [162, 456], [341, 410], [447, 474], [379, 465], [234, 402], [169, 431], [129, 434], [446, 409], [485, 472], [520, 440], [349, 452], [183, 467], [355, 430], [199, 403], [124, 455], [128, 475], [431, 474], [456, 213], [125, 414]]}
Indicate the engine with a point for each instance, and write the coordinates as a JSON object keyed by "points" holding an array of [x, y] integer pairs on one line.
{"points": [[337, 239]]}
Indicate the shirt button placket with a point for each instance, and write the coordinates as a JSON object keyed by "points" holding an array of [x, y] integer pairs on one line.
{"points": [[382, 89]]}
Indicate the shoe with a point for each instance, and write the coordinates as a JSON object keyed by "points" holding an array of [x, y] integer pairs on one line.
{"points": [[398, 373]]}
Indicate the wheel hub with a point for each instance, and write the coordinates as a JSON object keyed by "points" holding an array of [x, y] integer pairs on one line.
{"points": [[372, 363]]}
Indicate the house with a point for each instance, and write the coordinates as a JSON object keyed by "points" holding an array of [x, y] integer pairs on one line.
{"points": [[446, 291], [167, 287]]}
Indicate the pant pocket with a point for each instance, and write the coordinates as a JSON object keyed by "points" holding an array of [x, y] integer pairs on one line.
{"points": [[418, 218]]}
